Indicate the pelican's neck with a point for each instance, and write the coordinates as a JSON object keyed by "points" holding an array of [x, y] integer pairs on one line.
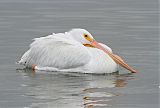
{"points": [[106, 47]]}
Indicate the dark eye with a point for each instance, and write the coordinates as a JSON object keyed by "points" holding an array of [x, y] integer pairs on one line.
{"points": [[85, 35]]}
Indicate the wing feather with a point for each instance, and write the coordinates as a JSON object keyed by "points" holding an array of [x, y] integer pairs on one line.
{"points": [[57, 52]]}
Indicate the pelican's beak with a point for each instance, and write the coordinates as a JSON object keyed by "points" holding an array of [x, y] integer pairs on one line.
{"points": [[116, 58]]}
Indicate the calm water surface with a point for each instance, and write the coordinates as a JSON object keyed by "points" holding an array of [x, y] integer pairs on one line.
{"points": [[129, 27]]}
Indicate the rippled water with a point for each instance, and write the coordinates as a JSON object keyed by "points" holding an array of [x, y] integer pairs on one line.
{"points": [[129, 27]]}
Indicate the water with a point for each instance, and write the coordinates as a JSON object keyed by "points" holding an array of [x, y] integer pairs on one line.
{"points": [[129, 27]]}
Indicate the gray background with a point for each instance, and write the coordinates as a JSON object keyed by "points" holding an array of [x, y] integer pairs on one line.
{"points": [[129, 27]]}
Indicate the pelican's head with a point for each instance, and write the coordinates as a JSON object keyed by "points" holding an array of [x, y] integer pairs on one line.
{"points": [[85, 38], [82, 36]]}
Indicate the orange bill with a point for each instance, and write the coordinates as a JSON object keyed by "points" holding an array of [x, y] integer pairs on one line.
{"points": [[116, 58]]}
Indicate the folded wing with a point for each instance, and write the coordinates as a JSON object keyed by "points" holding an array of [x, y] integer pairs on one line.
{"points": [[56, 51]]}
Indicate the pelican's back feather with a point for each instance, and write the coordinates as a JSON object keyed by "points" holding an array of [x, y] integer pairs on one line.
{"points": [[55, 51]]}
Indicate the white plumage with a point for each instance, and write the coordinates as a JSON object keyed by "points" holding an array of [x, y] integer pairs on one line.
{"points": [[67, 52]]}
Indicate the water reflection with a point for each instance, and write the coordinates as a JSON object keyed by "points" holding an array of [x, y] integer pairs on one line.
{"points": [[72, 90]]}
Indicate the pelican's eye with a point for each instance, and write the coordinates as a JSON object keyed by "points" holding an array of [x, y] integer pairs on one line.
{"points": [[87, 37]]}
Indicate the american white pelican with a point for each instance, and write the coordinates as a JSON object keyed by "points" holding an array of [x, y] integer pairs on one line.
{"points": [[73, 51]]}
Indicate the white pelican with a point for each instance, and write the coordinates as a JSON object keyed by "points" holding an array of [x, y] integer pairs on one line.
{"points": [[73, 51]]}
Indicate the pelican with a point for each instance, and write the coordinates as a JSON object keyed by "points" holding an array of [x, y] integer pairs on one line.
{"points": [[72, 51]]}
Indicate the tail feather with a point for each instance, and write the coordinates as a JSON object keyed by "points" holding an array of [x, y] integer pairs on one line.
{"points": [[24, 58]]}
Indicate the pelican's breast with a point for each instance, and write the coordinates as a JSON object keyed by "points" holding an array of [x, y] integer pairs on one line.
{"points": [[101, 62]]}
